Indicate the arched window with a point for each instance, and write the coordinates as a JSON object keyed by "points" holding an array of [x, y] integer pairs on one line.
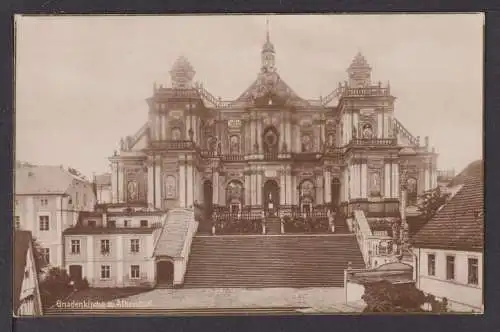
{"points": [[367, 130], [411, 190], [234, 195], [306, 143], [234, 144], [176, 134], [170, 187]]}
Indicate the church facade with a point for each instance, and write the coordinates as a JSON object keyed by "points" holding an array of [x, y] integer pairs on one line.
{"points": [[271, 152]]}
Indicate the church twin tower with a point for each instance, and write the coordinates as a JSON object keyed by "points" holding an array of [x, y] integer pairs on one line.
{"points": [[341, 151]]}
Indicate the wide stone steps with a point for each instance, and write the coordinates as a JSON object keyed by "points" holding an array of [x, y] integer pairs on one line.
{"points": [[271, 261]]}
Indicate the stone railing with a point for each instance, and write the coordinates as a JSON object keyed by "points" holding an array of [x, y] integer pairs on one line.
{"points": [[217, 102], [367, 91], [173, 145], [400, 129], [373, 141], [374, 248], [306, 225]]}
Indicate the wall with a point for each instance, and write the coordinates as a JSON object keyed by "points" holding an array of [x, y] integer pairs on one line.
{"points": [[455, 291], [119, 259]]}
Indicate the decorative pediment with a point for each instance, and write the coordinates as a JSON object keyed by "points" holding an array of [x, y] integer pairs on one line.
{"points": [[270, 90]]}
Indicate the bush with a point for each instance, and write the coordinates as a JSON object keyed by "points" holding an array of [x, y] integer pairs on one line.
{"points": [[56, 285], [383, 296]]}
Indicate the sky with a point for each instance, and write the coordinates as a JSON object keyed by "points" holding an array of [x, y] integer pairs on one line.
{"points": [[82, 81]]}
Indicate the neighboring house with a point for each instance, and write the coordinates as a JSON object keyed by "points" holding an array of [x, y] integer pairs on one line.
{"points": [[26, 292], [113, 247], [449, 248], [47, 201], [103, 188]]}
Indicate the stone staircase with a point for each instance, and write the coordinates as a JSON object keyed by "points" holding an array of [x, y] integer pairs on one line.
{"points": [[271, 261], [273, 225]]}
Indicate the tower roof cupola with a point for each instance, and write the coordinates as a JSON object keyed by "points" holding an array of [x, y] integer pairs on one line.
{"points": [[268, 52], [182, 73]]}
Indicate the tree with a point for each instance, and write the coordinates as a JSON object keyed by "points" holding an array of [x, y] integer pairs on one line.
{"points": [[431, 201], [384, 296], [40, 260], [56, 285]]}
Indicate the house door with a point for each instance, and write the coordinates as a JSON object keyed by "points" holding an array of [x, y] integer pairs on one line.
{"points": [[271, 197], [164, 272], [75, 272]]}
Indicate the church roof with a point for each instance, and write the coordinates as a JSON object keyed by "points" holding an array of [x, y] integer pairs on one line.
{"points": [[459, 225], [270, 84], [43, 180]]}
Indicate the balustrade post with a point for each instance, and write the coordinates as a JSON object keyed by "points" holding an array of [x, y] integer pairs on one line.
{"points": [[282, 226], [213, 229]]}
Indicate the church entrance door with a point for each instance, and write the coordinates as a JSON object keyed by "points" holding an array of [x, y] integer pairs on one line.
{"points": [[271, 198], [335, 194]]}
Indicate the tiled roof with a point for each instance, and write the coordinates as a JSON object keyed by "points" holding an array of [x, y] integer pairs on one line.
{"points": [[22, 240], [459, 225], [42, 180]]}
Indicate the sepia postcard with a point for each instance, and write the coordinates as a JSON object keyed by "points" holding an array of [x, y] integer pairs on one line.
{"points": [[248, 165]]}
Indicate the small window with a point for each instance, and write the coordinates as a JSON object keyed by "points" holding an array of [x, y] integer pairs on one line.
{"points": [[111, 224], [26, 274], [144, 223], [105, 247], [431, 264], [134, 245], [91, 223], [70, 201], [17, 222], [105, 272], [135, 271], [17, 202], [44, 223], [44, 202], [126, 223], [75, 247], [45, 255], [473, 271], [450, 267]]}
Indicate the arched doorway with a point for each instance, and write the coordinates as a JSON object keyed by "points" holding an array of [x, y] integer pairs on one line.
{"points": [[164, 272], [208, 193], [271, 196], [335, 193], [307, 193]]}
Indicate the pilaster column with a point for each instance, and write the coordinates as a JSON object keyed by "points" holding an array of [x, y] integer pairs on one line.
{"points": [[364, 179], [319, 189], [297, 138], [282, 187], [248, 189], [259, 186], [293, 189], [288, 129], [355, 123], [119, 259], [158, 183], [59, 229], [151, 183], [289, 190], [215, 188], [427, 177], [387, 180], [346, 185], [114, 182], [259, 134], [252, 135], [121, 184], [395, 181], [190, 188], [380, 124], [182, 182], [157, 118], [327, 185]]}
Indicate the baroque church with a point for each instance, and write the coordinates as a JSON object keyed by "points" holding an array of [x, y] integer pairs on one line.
{"points": [[270, 153]]}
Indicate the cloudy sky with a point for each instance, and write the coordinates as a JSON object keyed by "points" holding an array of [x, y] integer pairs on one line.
{"points": [[81, 82]]}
